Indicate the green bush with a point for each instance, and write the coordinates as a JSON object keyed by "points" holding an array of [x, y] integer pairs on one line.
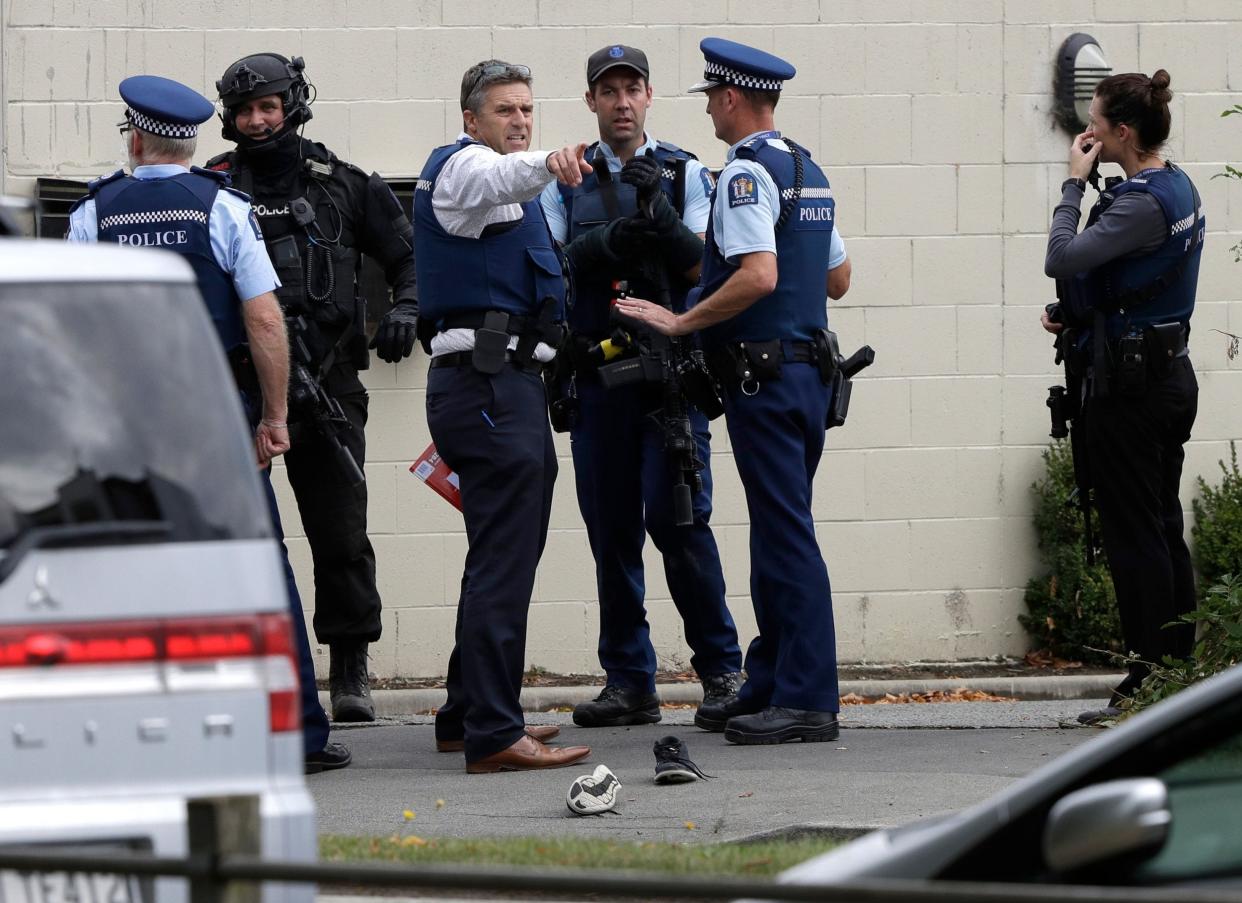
{"points": [[1219, 646], [1073, 610], [1217, 531]]}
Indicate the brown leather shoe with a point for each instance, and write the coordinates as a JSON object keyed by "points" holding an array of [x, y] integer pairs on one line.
{"points": [[527, 754], [541, 732]]}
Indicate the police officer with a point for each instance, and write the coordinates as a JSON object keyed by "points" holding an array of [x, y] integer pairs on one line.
{"points": [[164, 203], [493, 295], [319, 216], [624, 475], [760, 306], [1127, 289]]}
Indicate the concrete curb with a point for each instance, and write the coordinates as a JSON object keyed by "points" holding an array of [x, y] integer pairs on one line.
{"points": [[396, 703]]}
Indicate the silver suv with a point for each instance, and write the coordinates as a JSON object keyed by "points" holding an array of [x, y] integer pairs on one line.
{"points": [[146, 657]]}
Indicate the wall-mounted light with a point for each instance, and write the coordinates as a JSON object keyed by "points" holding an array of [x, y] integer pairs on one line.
{"points": [[1080, 67]]}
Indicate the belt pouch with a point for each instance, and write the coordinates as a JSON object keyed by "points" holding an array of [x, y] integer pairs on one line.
{"points": [[764, 359], [491, 341], [1165, 342], [1131, 369]]}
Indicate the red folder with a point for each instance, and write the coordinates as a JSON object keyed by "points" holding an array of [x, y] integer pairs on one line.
{"points": [[432, 470]]}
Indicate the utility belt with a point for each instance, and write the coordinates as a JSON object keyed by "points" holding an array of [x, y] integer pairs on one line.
{"points": [[1144, 355], [466, 359], [745, 366], [492, 331]]}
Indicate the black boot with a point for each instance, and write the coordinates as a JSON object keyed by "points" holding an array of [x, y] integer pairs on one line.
{"points": [[348, 682], [615, 706], [719, 700], [777, 724]]}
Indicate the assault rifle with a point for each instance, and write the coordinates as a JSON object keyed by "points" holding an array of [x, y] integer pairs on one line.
{"points": [[1068, 413], [310, 406]]}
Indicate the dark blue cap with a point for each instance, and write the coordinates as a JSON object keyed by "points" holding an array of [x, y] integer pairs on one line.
{"points": [[162, 106], [731, 63]]}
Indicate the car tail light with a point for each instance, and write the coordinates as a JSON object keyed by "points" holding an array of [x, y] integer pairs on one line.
{"points": [[266, 636]]}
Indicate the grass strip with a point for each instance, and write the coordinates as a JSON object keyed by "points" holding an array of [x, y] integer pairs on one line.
{"points": [[758, 859]]}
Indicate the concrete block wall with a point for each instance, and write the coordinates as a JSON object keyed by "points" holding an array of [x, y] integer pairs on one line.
{"points": [[934, 122]]}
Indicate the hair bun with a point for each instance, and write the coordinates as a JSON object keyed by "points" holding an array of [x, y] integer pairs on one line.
{"points": [[1160, 93]]}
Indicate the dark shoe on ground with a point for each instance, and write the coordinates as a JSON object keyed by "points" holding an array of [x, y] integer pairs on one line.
{"points": [[776, 724], [1099, 716], [528, 754], [541, 732], [673, 765], [616, 706], [332, 756], [349, 684], [719, 696]]}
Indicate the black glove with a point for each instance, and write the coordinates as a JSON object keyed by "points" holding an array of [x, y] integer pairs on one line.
{"points": [[395, 335], [631, 236], [644, 174], [661, 215]]}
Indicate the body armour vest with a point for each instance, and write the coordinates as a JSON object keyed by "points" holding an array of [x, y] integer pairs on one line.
{"points": [[587, 208], [317, 263], [173, 213], [511, 269], [1153, 288], [796, 308]]}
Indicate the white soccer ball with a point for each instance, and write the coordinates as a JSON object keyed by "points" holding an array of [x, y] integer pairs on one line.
{"points": [[593, 793]]}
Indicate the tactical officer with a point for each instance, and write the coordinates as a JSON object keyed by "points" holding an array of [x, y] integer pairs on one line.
{"points": [[494, 296], [1127, 289], [760, 306], [193, 212], [625, 477], [319, 216]]}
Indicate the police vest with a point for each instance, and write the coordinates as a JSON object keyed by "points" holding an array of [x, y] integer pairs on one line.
{"points": [[1155, 288], [796, 308], [589, 206], [511, 267], [330, 260], [173, 213]]}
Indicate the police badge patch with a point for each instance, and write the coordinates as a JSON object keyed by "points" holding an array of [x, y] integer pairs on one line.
{"points": [[742, 191]]}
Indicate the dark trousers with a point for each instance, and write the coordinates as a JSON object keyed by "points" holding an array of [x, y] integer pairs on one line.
{"points": [[314, 719], [778, 436], [624, 480], [493, 432], [334, 516], [1136, 451]]}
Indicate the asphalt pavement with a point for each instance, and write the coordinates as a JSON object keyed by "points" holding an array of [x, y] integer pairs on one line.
{"points": [[892, 764]]}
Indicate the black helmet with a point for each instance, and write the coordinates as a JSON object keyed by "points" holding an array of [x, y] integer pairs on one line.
{"points": [[259, 75]]}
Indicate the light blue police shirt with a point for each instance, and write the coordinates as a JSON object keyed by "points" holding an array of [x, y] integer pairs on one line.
{"points": [[236, 241], [698, 194], [750, 228]]}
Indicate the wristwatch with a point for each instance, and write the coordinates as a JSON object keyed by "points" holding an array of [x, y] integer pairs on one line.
{"points": [[1080, 183]]}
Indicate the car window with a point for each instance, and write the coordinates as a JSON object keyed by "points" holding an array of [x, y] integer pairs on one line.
{"points": [[1205, 799], [118, 409]]}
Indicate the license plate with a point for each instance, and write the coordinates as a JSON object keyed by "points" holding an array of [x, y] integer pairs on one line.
{"points": [[67, 887]]}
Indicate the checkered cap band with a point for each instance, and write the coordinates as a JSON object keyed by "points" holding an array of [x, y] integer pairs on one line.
{"points": [[425, 185], [153, 216], [160, 127], [718, 72]]}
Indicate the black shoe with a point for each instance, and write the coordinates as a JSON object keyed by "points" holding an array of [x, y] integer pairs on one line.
{"points": [[333, 755], [615, 706], [780, 725], [719, 698], [714, 716], [673, 765], [1099, 716], [349, 684]]}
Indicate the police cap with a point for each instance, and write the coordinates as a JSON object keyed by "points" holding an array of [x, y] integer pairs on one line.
{"points": [[731, 63], [164, 107], [615, 55]]}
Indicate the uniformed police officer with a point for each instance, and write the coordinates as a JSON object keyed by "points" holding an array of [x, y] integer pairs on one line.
{"points": [[624, 476], [760, 306], [164, 203], [1127, 287], [493, 293], [319, 215]]}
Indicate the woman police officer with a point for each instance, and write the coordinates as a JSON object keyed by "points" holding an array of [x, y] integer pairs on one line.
{"points": [[1127, 289]]}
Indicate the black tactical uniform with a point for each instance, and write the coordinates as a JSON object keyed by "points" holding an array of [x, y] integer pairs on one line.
{"points": [[319, 214]]}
